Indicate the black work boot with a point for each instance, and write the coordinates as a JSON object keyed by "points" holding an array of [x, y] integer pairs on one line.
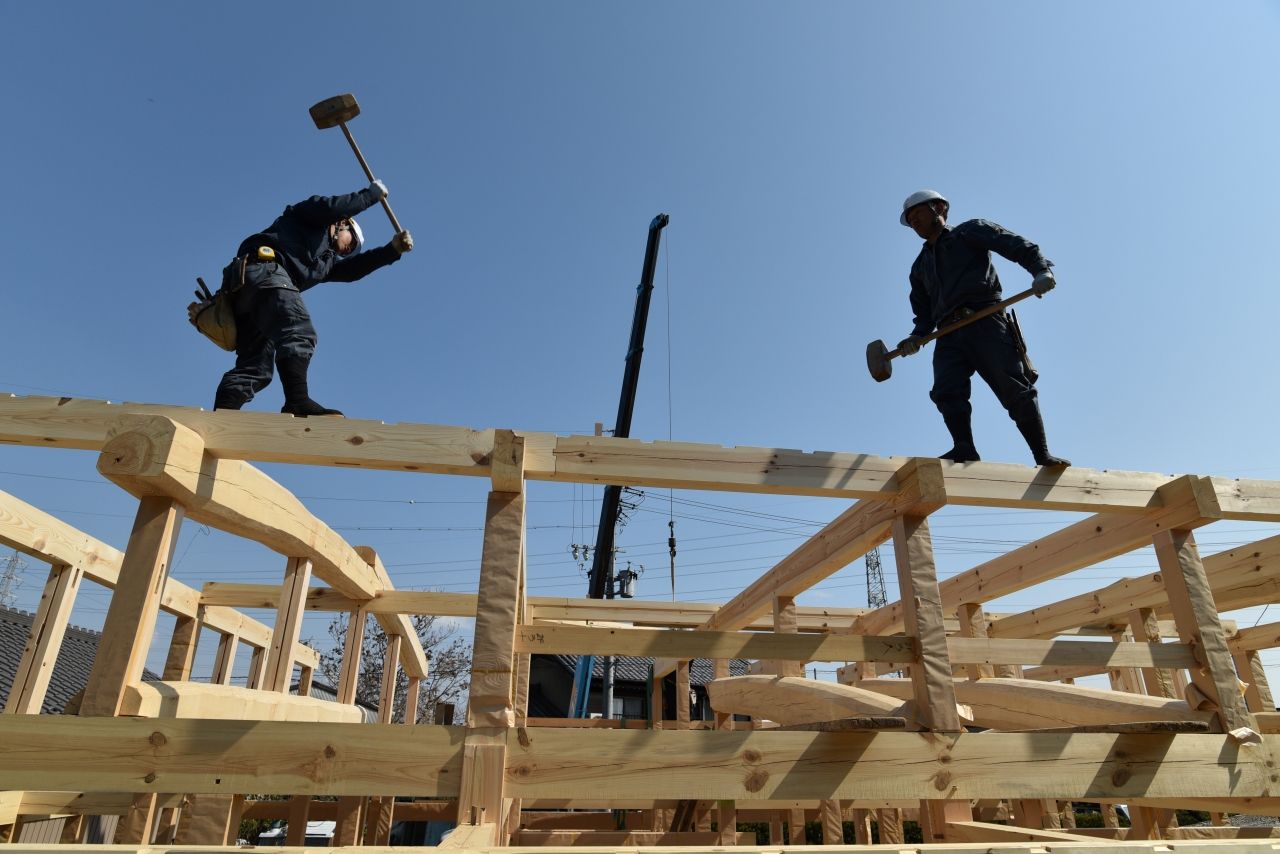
{"points": [[1031, 425], [962, 448], [297, 399]]}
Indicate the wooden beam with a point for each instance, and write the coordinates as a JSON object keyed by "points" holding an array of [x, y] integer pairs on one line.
{"points": [[228, 702], [1253, 569], [390, 670], [1027, 704], [264, 437], [399, 625], [1191, 599], [352, 649], [48, 627], [131, 616], [795, 700], [1188, 501], [36, 533], [542, 638], [848, 537], [1092, 656], [151, 455], [182, 649], [279, 672]]}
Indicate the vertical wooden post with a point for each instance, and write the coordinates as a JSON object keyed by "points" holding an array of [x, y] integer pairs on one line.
{"points": [[412, 697], [390, 670], [288, 626], [257, 660], [210, 820], [721, 671], [682, 695], [784, 622], [491, 704], [727, 822], [655, 704], [1196, 615], [832, 822], [347, 830], [1257, 694], [131, 616], [305, 675], [48, 627], [973, 624], [182, 649], [1146, 629], [296, 833], [931, 680], [862, 827], [889, 824], [796, 827], [1125, 678], [224, 661], [352, 649], [775, 829], [137, 826]]}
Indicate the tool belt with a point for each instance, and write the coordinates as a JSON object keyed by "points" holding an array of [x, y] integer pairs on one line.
{"points": [[214, 315], [960, 314]]}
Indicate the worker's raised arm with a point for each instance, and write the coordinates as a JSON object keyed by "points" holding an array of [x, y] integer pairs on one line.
{"points": [[325, 210]]}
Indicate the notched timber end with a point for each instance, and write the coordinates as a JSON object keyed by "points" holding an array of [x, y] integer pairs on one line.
{"points": [[1196, 493], [506, 462], [142, 449]]}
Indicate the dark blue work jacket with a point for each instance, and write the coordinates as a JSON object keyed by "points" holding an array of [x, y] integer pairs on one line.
{"points": [[956, 271]]}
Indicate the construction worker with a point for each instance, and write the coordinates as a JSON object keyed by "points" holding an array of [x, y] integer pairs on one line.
{"points": [[952, 278], [313, 241]]}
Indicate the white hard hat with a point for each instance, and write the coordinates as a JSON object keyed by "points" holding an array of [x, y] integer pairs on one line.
{"points": [[919, 197], [359, 235]]}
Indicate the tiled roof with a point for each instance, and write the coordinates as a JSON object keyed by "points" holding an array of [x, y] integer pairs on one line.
{"points": [[630, 668], [70, 672]]}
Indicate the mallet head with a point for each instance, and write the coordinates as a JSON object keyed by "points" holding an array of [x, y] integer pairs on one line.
{"points": [[878, 362], [332, 112]]}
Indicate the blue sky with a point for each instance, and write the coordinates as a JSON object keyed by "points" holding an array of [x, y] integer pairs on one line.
{"points": [[527, 146]]}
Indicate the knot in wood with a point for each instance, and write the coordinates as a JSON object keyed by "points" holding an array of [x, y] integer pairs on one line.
{"points": [[755, 780], [751, 757], [157, 739], [1120, 776], [356, 440], [329, 752], [942, 780], [150, 778]]}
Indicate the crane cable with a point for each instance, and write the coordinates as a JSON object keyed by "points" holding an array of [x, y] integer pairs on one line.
{"points": [[671, 517]]}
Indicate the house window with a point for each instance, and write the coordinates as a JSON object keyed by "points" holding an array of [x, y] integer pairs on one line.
{"points": [[628, 707]]}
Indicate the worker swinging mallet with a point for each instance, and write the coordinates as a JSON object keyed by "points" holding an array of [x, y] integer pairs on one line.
{"points": [[337, 111], [879, 356]]}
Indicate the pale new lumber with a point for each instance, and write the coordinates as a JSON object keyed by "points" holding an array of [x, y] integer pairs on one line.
{"points": [[70, 803], [762, 765], [981, 831], [931, 671], [849, 536], [1243, 576], [131, 616], [468, 836], [297, 579], [1186, 502], [390, 670], [1194, 611], [1157, 680], [796, 700], [264, 437], [30, 680], [493, 656], [1265, 636], [414, 657], [44, 537], [227, 702], [182, 649], [63, 753], [1090, 656], [352, 650], [149, 455], [1028, 704], [668, 643], [973, 624]]}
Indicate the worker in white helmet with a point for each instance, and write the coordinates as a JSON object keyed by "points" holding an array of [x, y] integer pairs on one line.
{"points": [[951, 278]]}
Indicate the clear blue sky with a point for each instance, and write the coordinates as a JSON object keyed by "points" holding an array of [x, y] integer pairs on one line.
{"points": [[527, 146]]}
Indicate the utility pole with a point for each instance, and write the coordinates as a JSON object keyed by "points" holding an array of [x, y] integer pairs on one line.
{"points": [[601, 580], [877, 596], [9, 580]]}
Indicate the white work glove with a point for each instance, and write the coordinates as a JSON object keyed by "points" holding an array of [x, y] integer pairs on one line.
{"points": [[378, 189], [402, 242], [910, 345], [1043, 283]]}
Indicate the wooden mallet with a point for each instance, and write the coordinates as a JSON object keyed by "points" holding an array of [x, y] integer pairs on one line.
{"points": [[879, 356], [339, 110]]}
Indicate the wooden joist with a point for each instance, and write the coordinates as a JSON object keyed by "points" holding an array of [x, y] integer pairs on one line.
{"points": [[227, 702], [353, 443]]}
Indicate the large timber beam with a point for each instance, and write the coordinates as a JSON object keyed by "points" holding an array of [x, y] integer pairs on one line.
{"points": [[1240, 577], [262, 437], [849, 536], [1004, 703], [155, 456], [47, 538], [1188, 501], [57, 753]]}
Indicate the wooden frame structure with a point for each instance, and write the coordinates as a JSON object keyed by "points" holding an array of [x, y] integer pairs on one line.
{"points": [[984, 740]]}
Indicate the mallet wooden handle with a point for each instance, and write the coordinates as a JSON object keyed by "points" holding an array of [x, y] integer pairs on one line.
{"points": [[395, 223], [976, 316]]}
